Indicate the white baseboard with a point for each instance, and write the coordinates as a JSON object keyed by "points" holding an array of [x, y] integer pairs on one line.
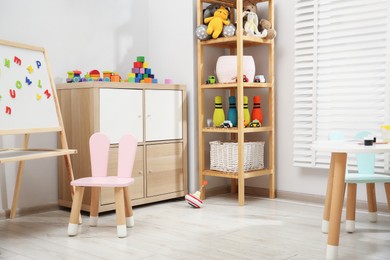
{"points": [[30, 210], [294, 196], [252, 191]]}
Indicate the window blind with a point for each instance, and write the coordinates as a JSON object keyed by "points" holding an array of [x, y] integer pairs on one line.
{"points": [[342, 68]]}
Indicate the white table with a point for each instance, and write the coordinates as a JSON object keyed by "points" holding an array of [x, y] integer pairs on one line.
{"points": [[336, 183]]}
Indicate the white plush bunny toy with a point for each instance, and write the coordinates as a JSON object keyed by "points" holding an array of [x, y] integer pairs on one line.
{"points": [[250, 26]]}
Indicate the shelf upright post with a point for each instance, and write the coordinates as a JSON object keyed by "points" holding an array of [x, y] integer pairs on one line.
{"points": [[200, 102], [240, 105], [271, 91]]}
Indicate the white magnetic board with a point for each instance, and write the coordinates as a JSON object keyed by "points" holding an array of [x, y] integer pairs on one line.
{"points": [[27, 93]]}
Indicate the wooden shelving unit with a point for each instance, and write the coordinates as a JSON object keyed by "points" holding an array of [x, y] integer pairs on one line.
{"points": [[236, 46]]}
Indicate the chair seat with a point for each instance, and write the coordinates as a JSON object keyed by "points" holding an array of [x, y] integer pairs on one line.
{"points": [[368, 178], [109, 181]]}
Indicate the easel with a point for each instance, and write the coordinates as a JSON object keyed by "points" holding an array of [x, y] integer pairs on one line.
{"points": [[28, 105]]}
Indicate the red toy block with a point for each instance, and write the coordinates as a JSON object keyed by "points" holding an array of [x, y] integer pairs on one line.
{"points": [[138, 64]]}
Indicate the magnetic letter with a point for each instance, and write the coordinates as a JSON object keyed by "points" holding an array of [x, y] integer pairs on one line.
{"points": [[28, 81], [18, 84], [6, 63], [38, 64], [30, 69], [39, 83], [39, 97], [47, 93], [8, 110], [12, 93], [17, 60]]}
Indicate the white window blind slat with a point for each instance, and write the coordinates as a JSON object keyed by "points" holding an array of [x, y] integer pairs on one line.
{"points": [[342, 73]]}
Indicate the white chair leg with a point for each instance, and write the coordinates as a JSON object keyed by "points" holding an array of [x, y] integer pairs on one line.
{"points": [[350, 226], [331, 252], [93, 221], [121, 231], [130, 221], [325, 226], [73, 229], [373, 216]]}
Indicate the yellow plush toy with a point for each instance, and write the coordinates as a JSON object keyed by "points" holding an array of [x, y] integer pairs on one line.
{"points": [[217, 21]]}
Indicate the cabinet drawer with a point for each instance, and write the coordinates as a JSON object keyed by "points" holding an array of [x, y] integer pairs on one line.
{"points": [[164, 168]]}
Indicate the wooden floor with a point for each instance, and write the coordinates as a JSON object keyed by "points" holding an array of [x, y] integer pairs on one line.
{"points": [[262, 229]]}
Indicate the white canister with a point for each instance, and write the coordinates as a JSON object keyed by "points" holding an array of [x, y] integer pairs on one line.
{"points": [[226, 68]]}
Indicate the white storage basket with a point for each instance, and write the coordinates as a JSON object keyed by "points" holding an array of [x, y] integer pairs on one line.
{"points": [[224, 156]]}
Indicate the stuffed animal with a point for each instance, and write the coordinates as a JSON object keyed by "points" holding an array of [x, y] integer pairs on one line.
{"points": [[201, 33], [215, 23], [229, 30], [250, 26], [210, 10], [265, 26], [249, 6]]}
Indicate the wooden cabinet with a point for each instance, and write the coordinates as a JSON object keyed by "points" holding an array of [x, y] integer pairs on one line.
{"points": [[238, 45], [154, 113]]}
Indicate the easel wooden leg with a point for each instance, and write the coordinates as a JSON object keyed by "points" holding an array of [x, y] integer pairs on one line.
{"points": [[19, 177], [18, 184]]}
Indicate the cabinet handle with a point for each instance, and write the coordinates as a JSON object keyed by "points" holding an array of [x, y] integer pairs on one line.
{"points": [[148, 116], [140, 173], [139, 116], [149, 171]]}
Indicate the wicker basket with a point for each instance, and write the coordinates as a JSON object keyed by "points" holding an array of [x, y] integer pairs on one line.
{"points": [[224, 156]]}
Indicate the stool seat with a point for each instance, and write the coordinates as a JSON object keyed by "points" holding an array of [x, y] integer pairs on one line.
{"points": [[109, 181]]}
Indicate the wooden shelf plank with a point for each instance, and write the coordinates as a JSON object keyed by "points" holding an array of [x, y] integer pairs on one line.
{"points": [[234, 175], [20, 154], [235, 129]]}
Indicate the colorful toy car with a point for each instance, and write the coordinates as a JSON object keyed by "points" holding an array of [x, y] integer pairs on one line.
{"points": [[211, 80], [226, 124], [244, 78], [255, 123], [259, 79]]}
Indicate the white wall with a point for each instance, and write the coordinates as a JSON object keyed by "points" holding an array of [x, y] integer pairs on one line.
{"points": [[94, 34], [108, 35]]}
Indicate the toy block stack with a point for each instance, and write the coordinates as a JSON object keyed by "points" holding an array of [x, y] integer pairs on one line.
{"points": [[141, 73]]}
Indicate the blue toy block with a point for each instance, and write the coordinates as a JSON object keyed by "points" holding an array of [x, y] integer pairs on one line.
{"points": [[148, 71], [154, 81]]}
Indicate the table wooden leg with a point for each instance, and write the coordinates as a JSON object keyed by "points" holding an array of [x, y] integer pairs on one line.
{"points": [[338, 190], [328, 198]]}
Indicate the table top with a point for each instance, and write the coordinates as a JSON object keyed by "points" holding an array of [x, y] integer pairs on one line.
{"points": [[352, 146]]}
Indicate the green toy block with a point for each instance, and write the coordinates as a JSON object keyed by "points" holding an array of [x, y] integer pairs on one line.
{"points": [[140, 58], [132, 80]]}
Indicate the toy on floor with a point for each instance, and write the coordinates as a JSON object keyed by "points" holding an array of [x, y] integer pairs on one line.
{"points": [[193, 199]]}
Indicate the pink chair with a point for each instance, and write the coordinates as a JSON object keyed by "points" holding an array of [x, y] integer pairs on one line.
{"points": [[99, 146]]}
